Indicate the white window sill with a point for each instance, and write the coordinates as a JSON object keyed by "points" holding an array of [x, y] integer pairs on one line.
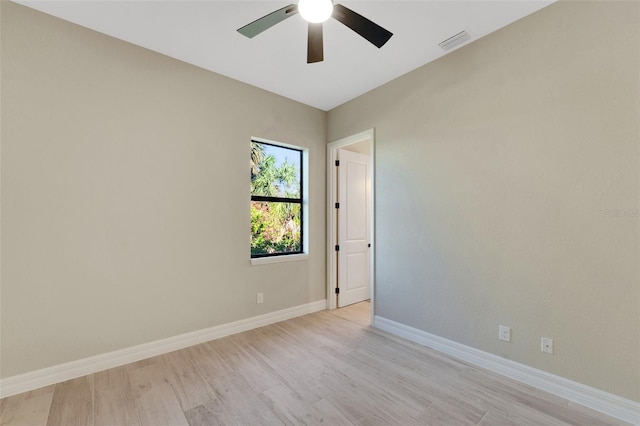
{"points": [[279, 259]]}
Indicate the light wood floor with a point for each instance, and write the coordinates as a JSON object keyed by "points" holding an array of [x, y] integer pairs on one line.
{"points": [[327, 368]]}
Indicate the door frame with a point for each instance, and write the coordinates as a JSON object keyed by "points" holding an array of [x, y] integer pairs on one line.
{"points": [[332, 225]]}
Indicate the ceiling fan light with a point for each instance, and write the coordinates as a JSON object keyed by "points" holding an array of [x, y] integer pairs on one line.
{"points": [[315, 11]]}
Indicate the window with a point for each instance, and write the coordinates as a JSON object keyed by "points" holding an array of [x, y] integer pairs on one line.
{"points": [[276, 200]]}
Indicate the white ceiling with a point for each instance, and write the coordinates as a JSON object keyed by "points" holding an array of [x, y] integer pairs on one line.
{"points": [[203, 33]]}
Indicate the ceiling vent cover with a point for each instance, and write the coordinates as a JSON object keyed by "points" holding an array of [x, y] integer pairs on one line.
{"points": [[455, 40]]}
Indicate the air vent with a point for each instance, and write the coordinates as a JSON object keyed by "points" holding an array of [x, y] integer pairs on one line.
{"points": [[455, 40]]}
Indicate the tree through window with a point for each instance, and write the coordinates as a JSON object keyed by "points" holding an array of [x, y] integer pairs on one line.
{"points": [[276, 200]]}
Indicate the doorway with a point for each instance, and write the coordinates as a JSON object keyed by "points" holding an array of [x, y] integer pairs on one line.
{"points": [[350, 221]]}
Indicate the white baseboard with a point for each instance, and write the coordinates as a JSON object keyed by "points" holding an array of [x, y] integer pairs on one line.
{"points": [[71, 370], [612, 405]]}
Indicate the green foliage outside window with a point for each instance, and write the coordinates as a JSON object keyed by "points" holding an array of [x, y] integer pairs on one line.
{"points": [[276, 203]]}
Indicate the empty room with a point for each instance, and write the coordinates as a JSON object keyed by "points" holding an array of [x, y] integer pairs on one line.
{"points": [[319, 212]]}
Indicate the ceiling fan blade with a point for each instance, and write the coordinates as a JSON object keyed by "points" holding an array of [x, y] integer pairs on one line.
{"points": [[259, 25], [315, 49], [371, 31]]}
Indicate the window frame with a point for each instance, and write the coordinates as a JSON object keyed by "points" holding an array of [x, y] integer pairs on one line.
{"points": [[301, 254]]}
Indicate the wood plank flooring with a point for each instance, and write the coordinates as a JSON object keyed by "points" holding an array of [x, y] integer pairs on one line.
{"points": [[327, 368]]}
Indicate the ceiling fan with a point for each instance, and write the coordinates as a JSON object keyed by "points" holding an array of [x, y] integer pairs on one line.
{"points": [[315, 12]]}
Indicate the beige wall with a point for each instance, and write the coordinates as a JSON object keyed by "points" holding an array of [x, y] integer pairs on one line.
{"points": [[125, 195], [496, 166], [359, 147]]}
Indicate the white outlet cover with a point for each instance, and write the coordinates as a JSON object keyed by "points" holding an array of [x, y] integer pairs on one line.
{"points": [[504, 333], [547, 345]]}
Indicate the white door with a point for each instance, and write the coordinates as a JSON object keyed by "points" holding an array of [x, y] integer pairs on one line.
{"points": [[353, 227]]}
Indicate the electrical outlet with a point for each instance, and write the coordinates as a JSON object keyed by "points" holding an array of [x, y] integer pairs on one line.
{"points": [[504, 333], [547, 345], [260, 298]]}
